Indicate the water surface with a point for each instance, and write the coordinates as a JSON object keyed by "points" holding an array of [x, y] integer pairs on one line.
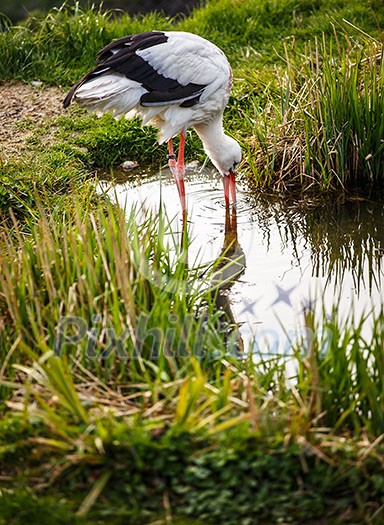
{"points": [[290, 255]]}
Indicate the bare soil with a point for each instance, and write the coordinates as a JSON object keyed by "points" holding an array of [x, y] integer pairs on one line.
{"points": [[23, 108]]}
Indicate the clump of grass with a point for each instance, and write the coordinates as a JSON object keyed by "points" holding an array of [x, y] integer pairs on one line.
{"points": [[104, 290], [59, 47], [340, 373], [240, 422], [53, 174], [109, 142], [328, 130]]}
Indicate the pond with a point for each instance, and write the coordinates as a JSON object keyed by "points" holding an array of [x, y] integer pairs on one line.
{"points": [[289, 255]]}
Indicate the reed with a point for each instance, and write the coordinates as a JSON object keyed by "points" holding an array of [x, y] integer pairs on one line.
{"points": [[327, 124], [236, 419], [339, 373], [105, 290]]}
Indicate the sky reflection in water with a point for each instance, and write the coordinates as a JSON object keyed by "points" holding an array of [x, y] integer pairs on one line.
{"points": [[295, 256]]}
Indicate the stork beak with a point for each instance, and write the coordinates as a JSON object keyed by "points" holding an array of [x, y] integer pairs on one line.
{"points": [[230, 187]]}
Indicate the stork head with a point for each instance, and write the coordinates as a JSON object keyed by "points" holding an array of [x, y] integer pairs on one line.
{"points": [[228, 157], [224, 152]]}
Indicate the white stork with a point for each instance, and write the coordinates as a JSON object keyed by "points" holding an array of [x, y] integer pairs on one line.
{"points": [[173, 81]]}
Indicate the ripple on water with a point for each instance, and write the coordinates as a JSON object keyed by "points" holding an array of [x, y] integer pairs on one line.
{"points": [[294, 257]]}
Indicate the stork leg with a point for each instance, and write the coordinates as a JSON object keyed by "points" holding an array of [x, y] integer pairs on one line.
{"points": [[178, 169], [180, 157]]}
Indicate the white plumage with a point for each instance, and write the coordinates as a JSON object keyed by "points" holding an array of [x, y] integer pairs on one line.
{"points": [[173, 81]]}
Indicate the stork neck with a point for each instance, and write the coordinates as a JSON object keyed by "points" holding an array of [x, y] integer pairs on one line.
{"points": [[212, 135]]}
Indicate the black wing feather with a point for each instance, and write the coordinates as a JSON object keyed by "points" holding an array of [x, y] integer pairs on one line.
{"points": [[120, 56], [131, 43]]}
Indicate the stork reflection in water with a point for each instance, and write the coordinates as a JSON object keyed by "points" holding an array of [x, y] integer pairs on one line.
{"points": [[226, 272]]}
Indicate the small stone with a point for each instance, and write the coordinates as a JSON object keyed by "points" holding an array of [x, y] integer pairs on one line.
{"points": [[129, 165], [193, 165]]}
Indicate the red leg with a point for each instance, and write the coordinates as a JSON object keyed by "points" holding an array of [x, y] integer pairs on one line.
{"points": [[180, 158], [171, 156]]}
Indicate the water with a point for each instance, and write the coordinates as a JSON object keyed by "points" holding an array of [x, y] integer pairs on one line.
{"points": [[289, 256]]}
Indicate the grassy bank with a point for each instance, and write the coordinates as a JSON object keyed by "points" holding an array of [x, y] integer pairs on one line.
{"points": [[124, 398], [306, 104], [122, 392], [125, 402]]}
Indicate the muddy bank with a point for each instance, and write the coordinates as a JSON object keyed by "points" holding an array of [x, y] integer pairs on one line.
{"points": [[23, 107]]}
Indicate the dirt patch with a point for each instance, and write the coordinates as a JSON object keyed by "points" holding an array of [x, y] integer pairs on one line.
{"points": [[23, 107]]}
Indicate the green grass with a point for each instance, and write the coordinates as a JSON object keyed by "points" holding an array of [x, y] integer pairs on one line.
{"points": [[89, 273], [304, 114], [190, 436], [55, 175], [59, 47], [90, 416], [329, 130], [173, 408], [122, 397]]}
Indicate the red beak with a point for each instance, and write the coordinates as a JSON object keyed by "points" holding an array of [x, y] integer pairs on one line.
{"points": [[230, 187]]}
